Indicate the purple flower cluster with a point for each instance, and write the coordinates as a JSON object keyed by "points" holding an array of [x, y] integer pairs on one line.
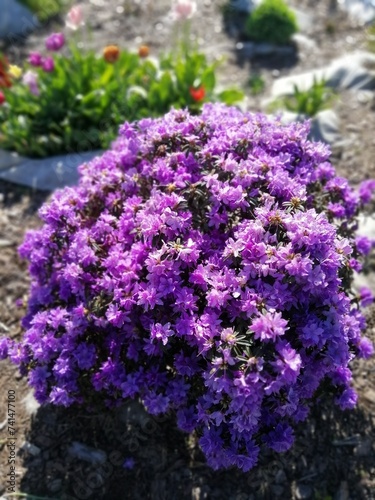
{"points": [[204, 265]]}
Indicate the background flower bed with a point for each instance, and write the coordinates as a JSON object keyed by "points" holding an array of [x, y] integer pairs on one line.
{"points": [[333, 454]]}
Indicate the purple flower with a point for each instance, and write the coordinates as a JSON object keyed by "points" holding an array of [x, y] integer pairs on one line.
{"points": [[348, 399], [55, 42], [35, 58], [129, 463], [363, 245], [48, 64], [281, 438], [366, 296], [269, 326], [4, 343], [365, 348], [202, 265]]}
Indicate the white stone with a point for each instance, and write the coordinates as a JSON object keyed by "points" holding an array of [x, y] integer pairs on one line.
{"points": [[353, 71], [366, 226], [305, 42], [16, 20], [362, 11], [324, 126], [30, 403]]}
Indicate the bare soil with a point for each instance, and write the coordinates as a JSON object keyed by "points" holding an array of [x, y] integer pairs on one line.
{"points": [[334, 454]]}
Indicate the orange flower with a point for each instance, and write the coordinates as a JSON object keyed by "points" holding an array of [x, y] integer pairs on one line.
{"points": [[144, 51], [197, 94], [111, 53], [5, 80]]}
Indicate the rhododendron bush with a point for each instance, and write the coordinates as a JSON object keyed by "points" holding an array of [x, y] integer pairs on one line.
{"points": [[203, 265]]}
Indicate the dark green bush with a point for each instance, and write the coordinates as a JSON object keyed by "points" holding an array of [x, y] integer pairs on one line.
{"points": [[272, 21], [45, 9]]}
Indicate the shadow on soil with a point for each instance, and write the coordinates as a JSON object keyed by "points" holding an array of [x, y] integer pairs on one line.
{"points": [[13, 194], [126, 454]]}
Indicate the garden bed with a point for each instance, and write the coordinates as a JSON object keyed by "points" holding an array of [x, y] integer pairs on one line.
{"points": [[334, 455]]}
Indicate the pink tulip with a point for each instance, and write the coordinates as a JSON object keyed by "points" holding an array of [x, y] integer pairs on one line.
{"points": [[74, 18], [30, 78], [183, 9]]}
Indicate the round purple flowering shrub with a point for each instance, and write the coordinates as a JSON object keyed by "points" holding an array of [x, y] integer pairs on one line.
{"points": [[203, 265]]}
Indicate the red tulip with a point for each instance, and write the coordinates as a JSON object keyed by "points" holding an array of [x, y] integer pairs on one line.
{"points": [[197, 94], [2, 98]]}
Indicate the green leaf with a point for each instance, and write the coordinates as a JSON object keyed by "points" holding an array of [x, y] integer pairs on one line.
{"points": [[230, 96]]}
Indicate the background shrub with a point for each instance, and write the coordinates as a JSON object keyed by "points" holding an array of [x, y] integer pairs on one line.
{"points": [[271, 21], [45, 9]]}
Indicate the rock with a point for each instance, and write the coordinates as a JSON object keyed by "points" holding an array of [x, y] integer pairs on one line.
{"points": [[365, 96], [363, 449], [199, 493], [16, 20], [242, 5], [303, 491], [132, 413], [277, 490], [30, 403], [361, 11], [5, 243], [366, 226], [267, 49], [304, 42], [30, 448], [263, 49], [86, 453], [369, 394], [324, 126], [353, 71], [50, 173], [304, 21], [55, 485], [343, 492], [280, 477]]}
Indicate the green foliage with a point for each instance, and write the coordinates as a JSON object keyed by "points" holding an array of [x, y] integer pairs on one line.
{"points": [[371, 38], [257, 84], [45, 9], [307, 102], [272, 21], [84, 100]]}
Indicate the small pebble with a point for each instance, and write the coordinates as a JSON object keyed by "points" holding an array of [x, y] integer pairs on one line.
{"points": [[343, 492], [55, 485], [303, 491], [363, 449], [277, 490], [86, 453], [30, 448], [370, 395]]}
